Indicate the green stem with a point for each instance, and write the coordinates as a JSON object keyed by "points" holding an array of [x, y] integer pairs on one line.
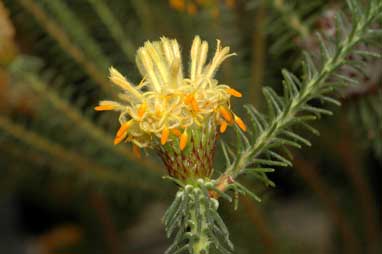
{"points": [[194, 221], [200, 245]]}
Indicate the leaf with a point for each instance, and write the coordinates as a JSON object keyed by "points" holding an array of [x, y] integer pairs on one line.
{"points": [[243, 189], [274, 106], [258, 122], [270, 162], [297, 137]]}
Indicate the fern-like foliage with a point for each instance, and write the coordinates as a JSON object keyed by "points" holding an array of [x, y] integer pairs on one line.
{"points": [[272, 133], [293, 20], [366, 112]]}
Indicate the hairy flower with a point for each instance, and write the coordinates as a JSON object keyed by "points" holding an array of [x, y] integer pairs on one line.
{"points": [[192, 7], [166, 108]]}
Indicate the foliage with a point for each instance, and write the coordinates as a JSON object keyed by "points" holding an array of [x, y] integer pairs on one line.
{"points": [[47, 116]]}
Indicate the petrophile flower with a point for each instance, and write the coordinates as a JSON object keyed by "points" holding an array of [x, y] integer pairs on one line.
{"points": [[176, 115]]}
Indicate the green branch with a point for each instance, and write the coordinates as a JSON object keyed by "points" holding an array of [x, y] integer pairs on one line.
{"points": [[293, 109]]}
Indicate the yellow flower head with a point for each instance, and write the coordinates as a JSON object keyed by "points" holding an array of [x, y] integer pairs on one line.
{"points": [[165, 106]]}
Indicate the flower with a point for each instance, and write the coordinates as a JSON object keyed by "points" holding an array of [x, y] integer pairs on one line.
{"points": [[169, 112], [8, 48], [192, 7]]}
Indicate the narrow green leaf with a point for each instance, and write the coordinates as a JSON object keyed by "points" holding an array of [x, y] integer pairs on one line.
{"points": [[297, 137], [265, 170], [316, 110], [270, 162], [247, 191], [226, 156], [330, 100], [280, 158]]}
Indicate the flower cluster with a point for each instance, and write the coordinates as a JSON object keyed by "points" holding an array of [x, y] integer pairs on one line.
{"points": [[166, 107], [8, 49], [192, 7]]}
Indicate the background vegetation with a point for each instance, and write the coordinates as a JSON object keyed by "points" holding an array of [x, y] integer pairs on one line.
{"points": [[64, 187]]}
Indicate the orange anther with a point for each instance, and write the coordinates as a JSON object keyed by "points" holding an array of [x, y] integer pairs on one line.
{"points": [[194, 105], [188, 99], [121, 133], [137, 151], [177, 4], [240, 123], [183, 140], [142, 109], [158, 111], [226, 114], [164, 136], [191, 9], [234, 92], [176, 132], [104, 107], [223, 126]]}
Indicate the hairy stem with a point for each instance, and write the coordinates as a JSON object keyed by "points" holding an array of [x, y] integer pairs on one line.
{"points": [[193, 220], [200, 245]]}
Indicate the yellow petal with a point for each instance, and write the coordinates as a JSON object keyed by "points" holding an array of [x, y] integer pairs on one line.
{"points": [[183, 140], [104, 107], [164, 136], [240, 123], [223, 126], [118, 79], [234, 92]]}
